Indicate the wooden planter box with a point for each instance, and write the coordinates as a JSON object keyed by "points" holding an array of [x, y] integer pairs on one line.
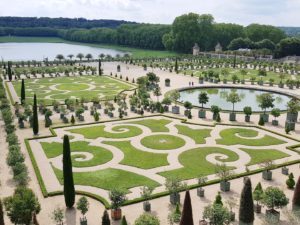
{"points": [[272, 216], [247, 119], [275, 122], [232, 117], [285, 171], [174, 198], [147, 206], [265, 117], [225, 186], [116, 214], [257, 208], [200, 192], [267, 175], [175, 109], [202, 114], [293, 117], [83, 221]]}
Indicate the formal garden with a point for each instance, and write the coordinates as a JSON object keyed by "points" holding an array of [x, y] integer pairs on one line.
{"points": [[133, 153]]}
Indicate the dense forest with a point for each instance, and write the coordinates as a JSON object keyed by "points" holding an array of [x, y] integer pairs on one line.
{"points": [[181, 36], [59, 22]]}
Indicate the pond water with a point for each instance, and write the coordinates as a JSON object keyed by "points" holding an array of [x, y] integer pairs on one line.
{"points": [[40, 51], [217, 96]]}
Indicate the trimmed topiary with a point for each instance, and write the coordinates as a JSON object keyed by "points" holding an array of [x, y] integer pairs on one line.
{"points": [[261, 121], [105, 218], [35, 121], [290, 182], [246, 214], [296, 197], [187, 212]]}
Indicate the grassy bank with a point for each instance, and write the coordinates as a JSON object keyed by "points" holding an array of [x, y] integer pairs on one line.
{"points": [[136, 52]]}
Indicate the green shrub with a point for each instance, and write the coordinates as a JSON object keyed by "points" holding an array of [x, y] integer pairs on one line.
{"points": [[290, 182], [261, 121], [147, 219]]}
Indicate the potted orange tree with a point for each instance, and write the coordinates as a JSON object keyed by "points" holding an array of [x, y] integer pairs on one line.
{"points": [[117, 197]]}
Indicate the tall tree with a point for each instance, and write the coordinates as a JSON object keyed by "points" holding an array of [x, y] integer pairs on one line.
{"points": [[296, 197], [124, 221], [187, 212], [246, 214], [100, 67], [105, 218], [35, 120], [23, 92], [69, 189], [21, 206], [176, 66], [1, 213], [9, 72]]}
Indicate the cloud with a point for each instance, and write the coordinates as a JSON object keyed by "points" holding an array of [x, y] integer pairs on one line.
{"points": [[275, 12]]}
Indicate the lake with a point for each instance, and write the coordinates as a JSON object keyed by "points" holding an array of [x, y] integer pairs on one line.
{"points": [[40, 51]]}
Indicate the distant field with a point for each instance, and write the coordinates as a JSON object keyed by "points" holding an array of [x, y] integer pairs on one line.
{"points": [[136, 52]]}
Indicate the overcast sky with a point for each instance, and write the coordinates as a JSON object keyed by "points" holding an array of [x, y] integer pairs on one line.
{"points": [[275, 12]]}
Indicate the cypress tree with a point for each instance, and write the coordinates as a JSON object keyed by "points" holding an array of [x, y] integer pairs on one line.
{"points": [[69, 190], [187, 212], [1, 213], [9, 72], [296, 197], [246, 214], [100, 67], [176, 66], [23, 92], [124, 222], [35, 121], [105, 218]]}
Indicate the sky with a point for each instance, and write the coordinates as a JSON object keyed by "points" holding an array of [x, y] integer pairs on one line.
{"points": [[274, 12]]}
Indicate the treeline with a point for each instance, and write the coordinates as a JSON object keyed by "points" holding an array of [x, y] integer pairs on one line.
{"points": [[192, 28], [140, 35], [59, 22]]}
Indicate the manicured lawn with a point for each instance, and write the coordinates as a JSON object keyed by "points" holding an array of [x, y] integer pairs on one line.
{"points": [[109, 179], [100, 154], [98, 131], [261, 155], [104, 87], [229, 137], [195, 163], [135, 52], [137, 158], [154, 125], [162, 142], [198, 135]]}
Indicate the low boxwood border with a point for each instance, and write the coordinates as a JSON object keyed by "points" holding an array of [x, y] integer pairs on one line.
{"points": [[161, 194]]}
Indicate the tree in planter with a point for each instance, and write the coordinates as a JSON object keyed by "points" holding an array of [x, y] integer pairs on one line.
{"points": [[188, 106], [290, 182], [274, 198], [166, 102], [225, 74], [225, 174], [35, 120], [233, 97], [117, 198], [246, 213], [217, 214], [174, 96], [187, 212], [23, 96], [261, 73], [248, 112], [147, 219], [215, 110], [203, 99], [69, 189], [265, 101], [267, 166], [105, 218], [243, 73], [58, 216], [48, 121], [83, 206], [201, 181], [174, 186], [157, 92], [232, 203], [146, 193], [175, 215], [21, 206], [276, 113], [258, 194], [293, 108]]}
